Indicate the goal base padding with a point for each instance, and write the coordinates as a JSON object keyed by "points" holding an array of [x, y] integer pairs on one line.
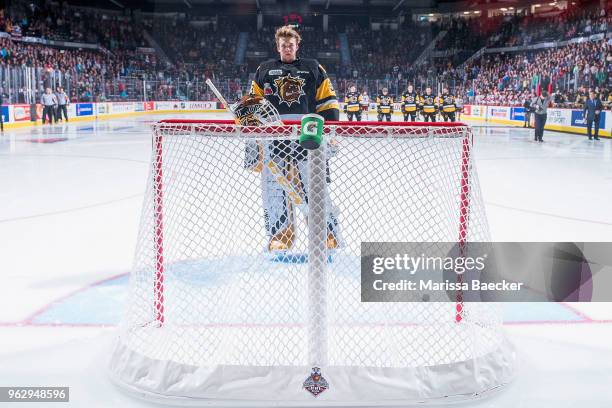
{"points": [[266, 386]]}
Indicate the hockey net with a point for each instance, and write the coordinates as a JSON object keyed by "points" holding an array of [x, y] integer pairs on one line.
{"points": [[215, 313]]}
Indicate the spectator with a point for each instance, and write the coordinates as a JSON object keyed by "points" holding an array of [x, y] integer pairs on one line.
{"points": [[592, 113]]}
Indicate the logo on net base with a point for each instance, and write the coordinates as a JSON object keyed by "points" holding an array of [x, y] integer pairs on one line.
{"points": [[315, 383]]}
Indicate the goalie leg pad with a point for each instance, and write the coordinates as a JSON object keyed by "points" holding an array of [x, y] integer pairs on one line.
{"points": [[278, 211]]}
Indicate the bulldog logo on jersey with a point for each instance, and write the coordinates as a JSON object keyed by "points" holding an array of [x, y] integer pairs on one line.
{"points": [[315, 383], [289, 89]]}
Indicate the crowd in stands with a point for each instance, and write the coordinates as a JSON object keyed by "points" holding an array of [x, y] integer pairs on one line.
{"points": [[384, 53], [86, 73], [49, 21], [196, 50], [510, 78], [468, 34], [209, 48], [85, 68], [499, 77], [562, 25], [496, 78], [121, 57]]}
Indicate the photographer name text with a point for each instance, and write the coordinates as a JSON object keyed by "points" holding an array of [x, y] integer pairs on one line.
{"points": [[431, 285]]}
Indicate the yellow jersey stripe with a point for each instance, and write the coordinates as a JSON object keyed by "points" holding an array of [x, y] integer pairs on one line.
{"points": [[256, 89], [325, 90], [329, 105]]}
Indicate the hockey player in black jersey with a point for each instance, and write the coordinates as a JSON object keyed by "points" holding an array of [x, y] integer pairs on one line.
{"points": [[295, 86], [428, 105], [448, 108], [410, 101], [352, 108], [384, 103]]}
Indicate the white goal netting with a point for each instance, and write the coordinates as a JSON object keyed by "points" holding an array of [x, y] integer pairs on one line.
{"points": [[247, 271]]}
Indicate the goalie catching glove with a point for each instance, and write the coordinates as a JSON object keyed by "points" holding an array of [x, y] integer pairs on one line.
{"points": [[253, 110]]}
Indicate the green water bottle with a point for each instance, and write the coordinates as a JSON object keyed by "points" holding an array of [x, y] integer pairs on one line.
{"points": [[311, 134]]}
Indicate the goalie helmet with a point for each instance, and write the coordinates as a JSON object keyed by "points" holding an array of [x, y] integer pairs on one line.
{"points": [[255, 111]]}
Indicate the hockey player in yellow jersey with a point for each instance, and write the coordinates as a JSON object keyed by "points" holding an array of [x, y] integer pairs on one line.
{"points": [[438, 107], [448, 108], [429, 107], [352, 100], [384, 103], [295, 86], [364, 101], [410, 101]]}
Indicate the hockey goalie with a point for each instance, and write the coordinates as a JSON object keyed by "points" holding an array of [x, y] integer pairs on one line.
{"points": [[286, 89]]}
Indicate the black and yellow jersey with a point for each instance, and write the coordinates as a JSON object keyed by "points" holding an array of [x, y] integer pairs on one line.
{"points": [[428, 103], [438, 102], [352, 100], [384, 103], [410, 101], [447, 103], [296, 88]]}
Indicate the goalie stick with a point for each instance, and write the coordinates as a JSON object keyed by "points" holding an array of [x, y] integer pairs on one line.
{"points": [[294, 195], [214, 89]]}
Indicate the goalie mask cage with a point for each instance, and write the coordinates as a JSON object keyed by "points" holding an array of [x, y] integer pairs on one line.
{"points": [[213, 316]]}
